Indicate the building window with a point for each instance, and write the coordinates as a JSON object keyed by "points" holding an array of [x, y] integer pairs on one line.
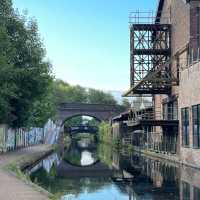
{"points": [[196, 125], [196, 193], [170, 111], [185, 191], [175, 110], [185, 126]]}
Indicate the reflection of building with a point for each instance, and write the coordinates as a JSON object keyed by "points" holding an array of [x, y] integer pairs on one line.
{"points": [[189, 184], [182, 182], [152, 179], [165, 60]]}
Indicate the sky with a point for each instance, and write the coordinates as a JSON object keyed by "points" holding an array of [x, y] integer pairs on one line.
{"points": [[87, 41]]}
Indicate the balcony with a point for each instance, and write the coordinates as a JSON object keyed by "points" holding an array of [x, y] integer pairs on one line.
{"points": [[150, 52], [149, 117]]}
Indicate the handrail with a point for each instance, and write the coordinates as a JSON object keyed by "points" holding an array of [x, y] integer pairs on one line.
{"points": [[153, 115]]}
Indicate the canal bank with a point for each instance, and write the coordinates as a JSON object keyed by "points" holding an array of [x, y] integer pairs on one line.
{"points": [[127, 137], [116, 176], [170, 158], [14, 184]]}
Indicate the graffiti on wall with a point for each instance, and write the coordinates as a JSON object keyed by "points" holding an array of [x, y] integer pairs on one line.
{"points": [[11, 139]]}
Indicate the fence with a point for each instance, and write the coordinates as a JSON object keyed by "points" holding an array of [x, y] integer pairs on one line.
{"points": [[12, 139]]}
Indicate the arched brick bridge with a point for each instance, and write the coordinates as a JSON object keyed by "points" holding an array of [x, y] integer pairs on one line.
{"points": [[99, 111]]}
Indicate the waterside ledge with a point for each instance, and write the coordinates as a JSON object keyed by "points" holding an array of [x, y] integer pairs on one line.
{"points": [[12, 165]]}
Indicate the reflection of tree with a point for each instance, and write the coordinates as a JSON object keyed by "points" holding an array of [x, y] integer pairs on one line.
{"points": [[105, 153], [145, 170], [53, 172], [61, 186], [73, 156]]}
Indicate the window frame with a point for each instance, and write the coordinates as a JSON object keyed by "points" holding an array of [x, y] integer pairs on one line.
{"points": [[185, 122], [196, 126], [186, 190]]}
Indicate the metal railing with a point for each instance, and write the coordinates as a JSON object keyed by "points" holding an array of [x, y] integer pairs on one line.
{"points": [[155, 141], [153, 115], [146, 17], [159, 143]]}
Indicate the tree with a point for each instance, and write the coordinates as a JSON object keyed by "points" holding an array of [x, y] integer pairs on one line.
{"points": [[25, 76], [65, 93], [93, 122], [74, 121], [7, 71], [126, 104], [100, 97]]}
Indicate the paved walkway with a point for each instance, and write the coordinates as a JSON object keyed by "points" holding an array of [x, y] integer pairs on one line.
{"points": [[11, 188]]}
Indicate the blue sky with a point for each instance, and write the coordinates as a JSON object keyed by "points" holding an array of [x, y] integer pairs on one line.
{"points": [[87, 41]]}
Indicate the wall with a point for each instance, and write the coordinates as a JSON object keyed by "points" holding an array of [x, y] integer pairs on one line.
{"points": [[189, 95], [190, 177], [11, 139], [52, 131], [177, 13]]}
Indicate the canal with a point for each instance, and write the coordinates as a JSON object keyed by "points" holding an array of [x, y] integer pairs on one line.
{"points": [[91, 171]]}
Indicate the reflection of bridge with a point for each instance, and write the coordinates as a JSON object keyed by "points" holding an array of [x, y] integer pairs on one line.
{"points": [[81, 129], [96, 170]]}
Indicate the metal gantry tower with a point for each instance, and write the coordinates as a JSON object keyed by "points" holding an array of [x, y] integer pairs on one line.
{"points": [[150, 51]]}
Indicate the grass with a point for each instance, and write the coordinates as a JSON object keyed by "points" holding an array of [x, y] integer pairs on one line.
{"points": [[16, 167]]}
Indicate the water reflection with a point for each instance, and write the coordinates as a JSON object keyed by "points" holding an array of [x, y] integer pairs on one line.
{"points": [[87, 158], [47, 163], [82, 153], [93, 172]]}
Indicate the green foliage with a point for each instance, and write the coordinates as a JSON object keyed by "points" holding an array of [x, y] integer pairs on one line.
{"points": [[66, 93], [105, 153], [93, 122], [100, 97], [25, 77], [105, 132], [126, 104], [81, 136], [43, 109], [28, 93], [74, 121], [8, 87], [60, 186], [74, 158]]}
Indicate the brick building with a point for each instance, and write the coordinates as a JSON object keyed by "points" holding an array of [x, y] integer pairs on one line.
{"points": [[165, 65]]}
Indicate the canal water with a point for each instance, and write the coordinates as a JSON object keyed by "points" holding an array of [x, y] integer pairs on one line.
{"points": [[89, 171]]}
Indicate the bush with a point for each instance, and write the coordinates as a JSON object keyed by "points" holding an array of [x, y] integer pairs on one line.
{"points": [[105, 132]]}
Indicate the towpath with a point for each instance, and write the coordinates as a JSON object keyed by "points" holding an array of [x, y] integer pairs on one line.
{"points": [[11, 187]]}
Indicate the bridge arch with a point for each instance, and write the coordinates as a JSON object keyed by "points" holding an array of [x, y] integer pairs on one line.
{"points": [[82, 166], [98, 111], [81, 114]]}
